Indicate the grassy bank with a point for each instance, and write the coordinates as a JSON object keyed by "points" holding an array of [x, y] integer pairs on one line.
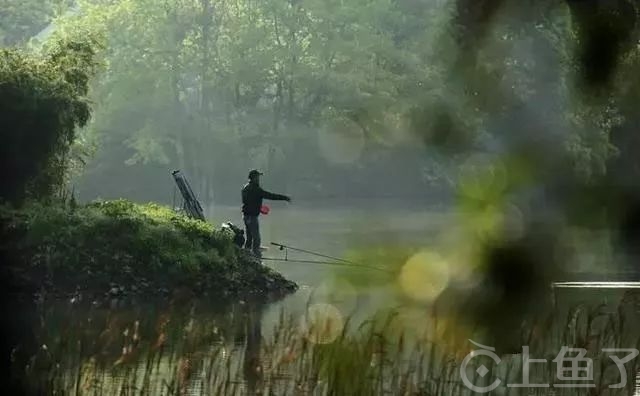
{"points": [[121, 248]]}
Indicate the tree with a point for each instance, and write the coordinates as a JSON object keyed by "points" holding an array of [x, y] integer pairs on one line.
{"points": [[200, 85], [42, 101]]}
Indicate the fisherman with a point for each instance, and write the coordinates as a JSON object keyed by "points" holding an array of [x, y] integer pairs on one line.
{"points": [[252, 196]]}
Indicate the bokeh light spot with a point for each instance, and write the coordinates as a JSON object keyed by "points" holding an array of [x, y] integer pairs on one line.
{"points": [[393, 129], [513, 223], [335, 291], [424, 276], [322, 324], [483, 178]]}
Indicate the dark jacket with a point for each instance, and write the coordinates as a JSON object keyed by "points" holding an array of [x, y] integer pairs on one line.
{"points": [[252, 196]]}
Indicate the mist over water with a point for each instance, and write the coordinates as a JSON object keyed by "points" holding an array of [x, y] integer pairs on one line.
{"points": [[344, 296], [472, 153]]}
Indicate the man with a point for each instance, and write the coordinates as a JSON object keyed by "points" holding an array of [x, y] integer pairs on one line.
{"points": [[252, 196]]}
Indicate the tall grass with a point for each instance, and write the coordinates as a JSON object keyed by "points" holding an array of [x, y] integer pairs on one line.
{"points": [[173, 352]]}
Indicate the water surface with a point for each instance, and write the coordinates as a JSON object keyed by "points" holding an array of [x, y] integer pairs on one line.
{"points": [[203, 347]]}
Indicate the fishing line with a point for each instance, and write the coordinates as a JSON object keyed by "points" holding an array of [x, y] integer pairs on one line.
{"points": [[336, 261], [281, 246], [327, 263]]}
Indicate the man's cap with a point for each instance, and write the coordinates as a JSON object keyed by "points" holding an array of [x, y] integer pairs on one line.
{"points": [[254, 172]]}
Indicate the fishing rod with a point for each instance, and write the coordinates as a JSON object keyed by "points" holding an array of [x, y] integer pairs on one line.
{"points": [[335, 260], [287, 248], [288, 260], [191, 205]]}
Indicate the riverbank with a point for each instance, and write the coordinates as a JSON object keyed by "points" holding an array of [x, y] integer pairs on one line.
{"points": [[119, 248]]}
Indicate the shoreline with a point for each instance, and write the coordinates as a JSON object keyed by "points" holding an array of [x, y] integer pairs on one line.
{"points": [[119, 249]]}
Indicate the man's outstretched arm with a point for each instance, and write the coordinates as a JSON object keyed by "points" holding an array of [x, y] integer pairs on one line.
{"points": [[275, 197]]}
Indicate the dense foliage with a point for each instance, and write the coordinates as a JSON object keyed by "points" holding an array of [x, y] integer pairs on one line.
{"points": [[328, 95], [216, 88], [123, 248], [43, 100], [343, 89]]}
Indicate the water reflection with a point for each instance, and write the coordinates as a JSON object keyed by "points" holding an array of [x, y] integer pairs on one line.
{"points": [[252, 361], [198, 347], [376, 339], [137, 345]]}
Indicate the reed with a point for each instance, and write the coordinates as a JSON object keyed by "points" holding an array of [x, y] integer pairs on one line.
{"points": [[189, 354]]}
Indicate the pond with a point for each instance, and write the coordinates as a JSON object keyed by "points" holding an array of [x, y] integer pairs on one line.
{"points": [[348, 330]]}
